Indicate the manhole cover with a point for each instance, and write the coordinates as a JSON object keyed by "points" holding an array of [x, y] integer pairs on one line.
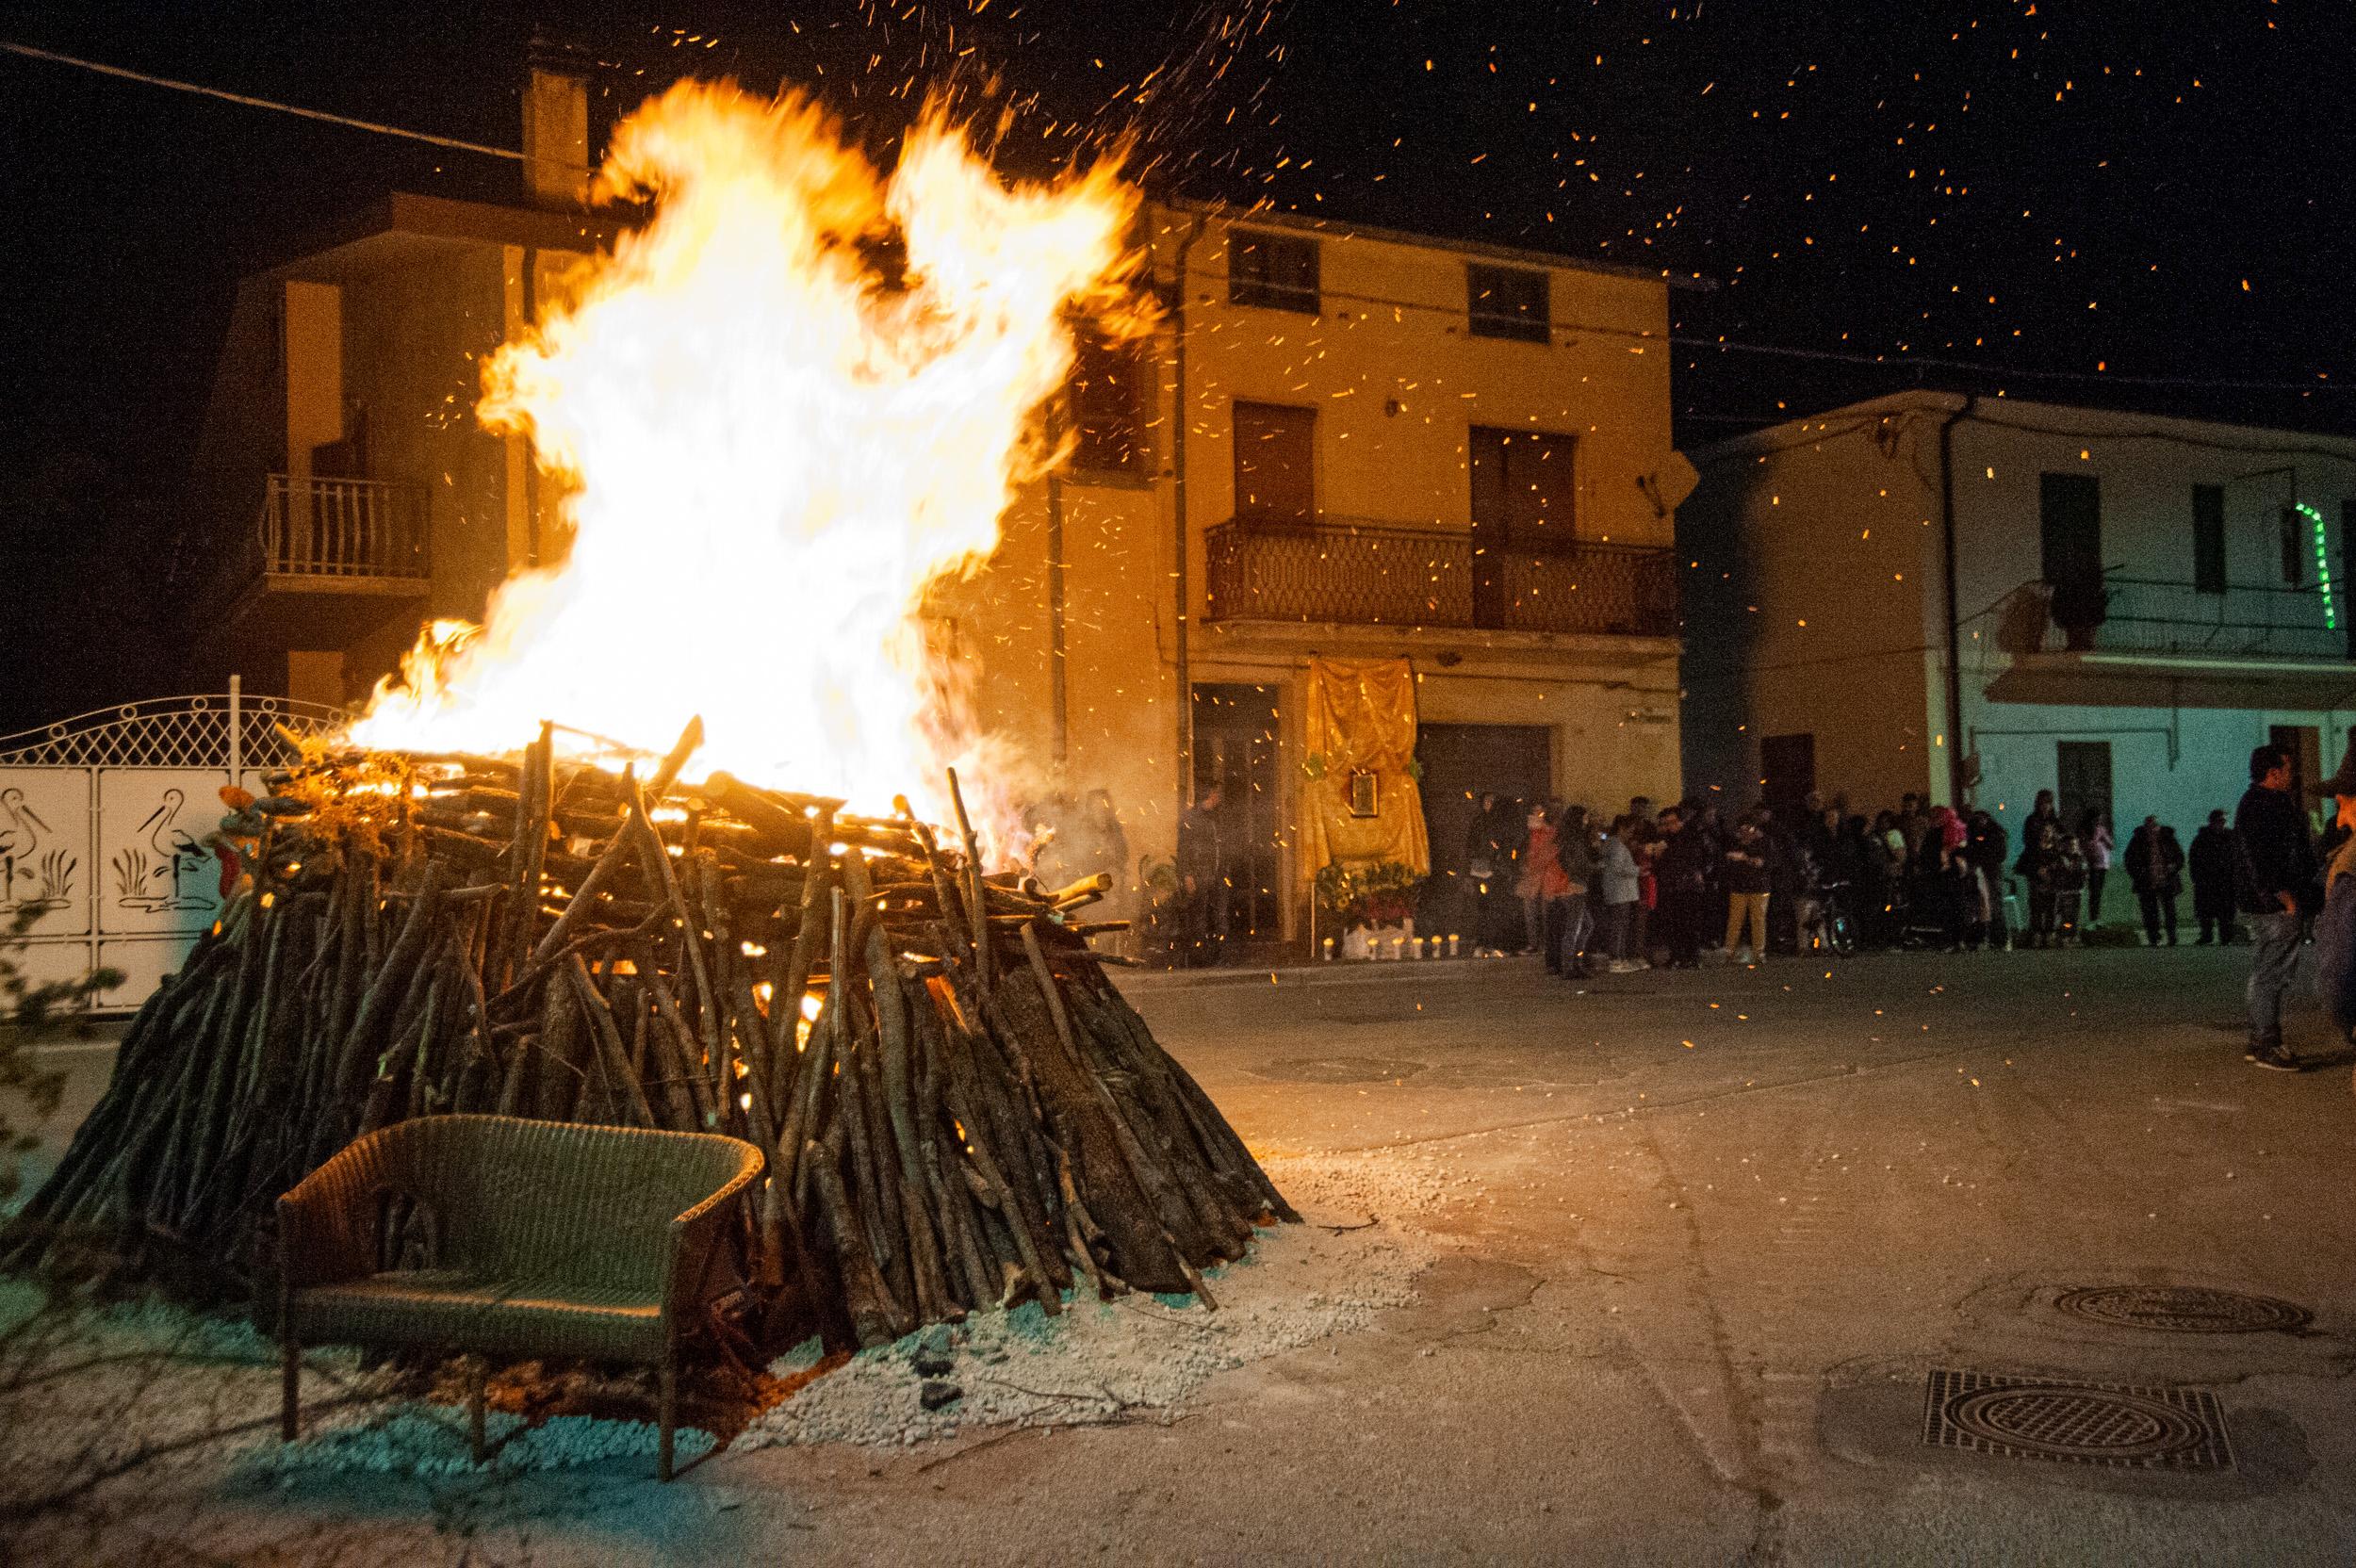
{"points": [[1339, 1070], [2183, 1309], [2098, 1424]]}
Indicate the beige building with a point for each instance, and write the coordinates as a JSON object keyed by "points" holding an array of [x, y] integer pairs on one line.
{"points": [[1981, 598], [1341, 443]]}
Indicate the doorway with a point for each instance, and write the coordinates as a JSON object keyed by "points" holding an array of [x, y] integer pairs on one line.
{"points": [[1236, 748], [1460, 762], [2082, 771]]}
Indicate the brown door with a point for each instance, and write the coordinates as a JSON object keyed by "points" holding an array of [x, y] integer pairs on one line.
{"points": [[1235, 747], [1461, 762], [1275, 465], [1523, 498]]}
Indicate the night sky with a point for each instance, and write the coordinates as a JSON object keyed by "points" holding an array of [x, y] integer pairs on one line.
{"points": [[2029, 191]]}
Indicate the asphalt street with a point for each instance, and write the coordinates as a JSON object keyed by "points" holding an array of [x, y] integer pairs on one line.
{"points": [[1704, 1239]]}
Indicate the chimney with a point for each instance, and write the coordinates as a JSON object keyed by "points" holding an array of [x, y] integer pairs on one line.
{"points": [[556, 124]]}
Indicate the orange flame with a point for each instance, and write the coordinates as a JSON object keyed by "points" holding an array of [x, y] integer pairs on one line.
{"points": [[770, 448]]}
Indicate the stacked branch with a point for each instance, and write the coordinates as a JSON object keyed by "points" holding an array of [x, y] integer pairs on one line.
{"points": [[958, 1110]]}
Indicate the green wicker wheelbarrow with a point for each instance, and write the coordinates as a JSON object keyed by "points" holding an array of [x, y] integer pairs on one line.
{"points": [[547, 1239]]}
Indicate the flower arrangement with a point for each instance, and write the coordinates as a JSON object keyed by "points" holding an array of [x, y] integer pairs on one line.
{"points": [[1378, 895]]}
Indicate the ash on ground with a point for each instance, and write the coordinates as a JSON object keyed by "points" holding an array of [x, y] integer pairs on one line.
{"points": [[1139, 1358]]}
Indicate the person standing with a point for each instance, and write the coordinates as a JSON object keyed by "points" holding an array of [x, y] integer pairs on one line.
{"points": [[1574, 847], [2213, 881], [1619, 882], [2042, 814], [2069, 885], [1543, 887], [1714, 836], [1681, 874], [2276, 870], [1743, 872], [2336, 928], [1488, 853], [2155, 870], [2094, 835], [1203, 880], [1645, 844], [2036, 867], [1910, 824], [1984, 852]]}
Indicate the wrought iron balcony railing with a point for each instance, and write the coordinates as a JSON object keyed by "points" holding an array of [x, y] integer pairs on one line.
{"points": [[1357, 573], [343, 527], [2158, 615]]}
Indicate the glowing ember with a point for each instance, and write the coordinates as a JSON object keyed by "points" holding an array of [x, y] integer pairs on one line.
{"points": [[770, 448]]}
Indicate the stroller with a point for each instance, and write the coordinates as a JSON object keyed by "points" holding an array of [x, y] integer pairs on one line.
{"points": [[1828, 921]]}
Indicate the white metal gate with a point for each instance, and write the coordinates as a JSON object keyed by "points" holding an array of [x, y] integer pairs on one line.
{"points": [[103, 825]]}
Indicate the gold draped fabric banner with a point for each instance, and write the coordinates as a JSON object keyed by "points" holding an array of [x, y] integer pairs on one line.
{"points": [[1361, 806]]}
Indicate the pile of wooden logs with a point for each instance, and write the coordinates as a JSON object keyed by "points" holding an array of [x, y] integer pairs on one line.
{"points": [[958, 1110]]}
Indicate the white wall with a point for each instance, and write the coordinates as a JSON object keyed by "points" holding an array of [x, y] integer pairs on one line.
{"points": [[2209, 771]]}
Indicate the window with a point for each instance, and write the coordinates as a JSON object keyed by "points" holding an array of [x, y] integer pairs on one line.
{"points": [[1506, 302], [1106, 402], [2294, 536], [2070, 528], [1523, 490], [2208, 539], [1277, 271], [1275, 465]]}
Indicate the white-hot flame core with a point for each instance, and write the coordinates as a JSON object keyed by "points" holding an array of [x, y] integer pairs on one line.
{"points": [[768, 451]]}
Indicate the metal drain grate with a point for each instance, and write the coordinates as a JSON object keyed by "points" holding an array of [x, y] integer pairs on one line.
{"points": [[2183, 1309], [2077, 1423]]}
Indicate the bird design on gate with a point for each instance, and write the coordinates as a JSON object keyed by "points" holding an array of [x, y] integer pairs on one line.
{"points": [[31, 876], [156, 873]]}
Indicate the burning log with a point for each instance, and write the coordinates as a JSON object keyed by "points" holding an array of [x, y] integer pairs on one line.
{"points": [[960, 1112]]}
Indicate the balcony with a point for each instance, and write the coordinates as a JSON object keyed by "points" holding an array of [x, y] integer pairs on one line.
{"points": [[2165, 641], [1349, 573], [329, 558], [342, 527]]}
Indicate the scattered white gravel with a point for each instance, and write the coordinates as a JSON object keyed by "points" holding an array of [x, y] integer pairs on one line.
{"points": [[1389, 1182], [1138, 1357]]}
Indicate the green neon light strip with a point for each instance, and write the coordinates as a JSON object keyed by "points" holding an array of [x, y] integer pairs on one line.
{"points": [[2323, 562]]}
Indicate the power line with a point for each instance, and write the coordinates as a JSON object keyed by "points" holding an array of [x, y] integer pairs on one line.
{"points": [[1880, 362], [250, 102]]}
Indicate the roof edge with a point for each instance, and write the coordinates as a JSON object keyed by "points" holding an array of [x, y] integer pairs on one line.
{"points": [[2132, 424], [1343, 229]]}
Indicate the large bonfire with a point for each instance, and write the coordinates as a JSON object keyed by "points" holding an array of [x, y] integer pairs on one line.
{"points": [[782, 408]]}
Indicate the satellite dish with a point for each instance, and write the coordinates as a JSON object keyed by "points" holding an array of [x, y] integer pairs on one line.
{"points": [[1668, 485]]}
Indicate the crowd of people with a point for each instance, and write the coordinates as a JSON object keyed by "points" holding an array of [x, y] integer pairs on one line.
{"points": [[1672, 886], [1676, 885]]}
